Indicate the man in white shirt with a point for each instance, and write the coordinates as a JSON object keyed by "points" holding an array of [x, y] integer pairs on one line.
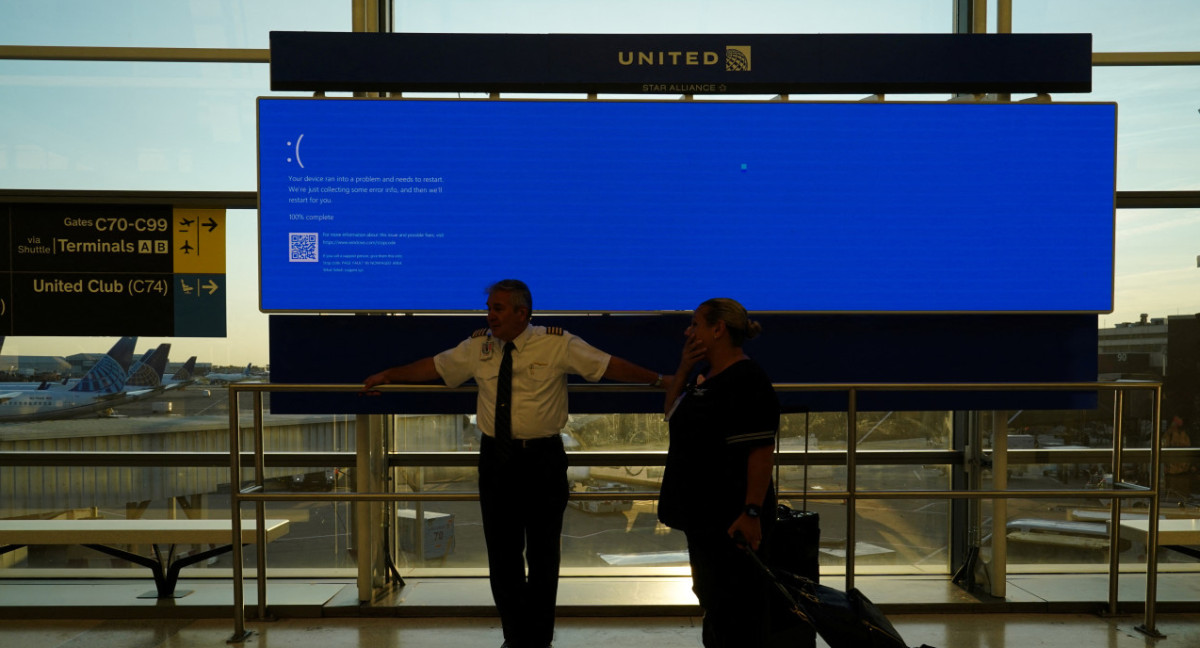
{"points": [[522, 464]]}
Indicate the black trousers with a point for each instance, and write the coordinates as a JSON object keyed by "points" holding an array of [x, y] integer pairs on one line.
{"points": [[732, 590], [522, 499]]}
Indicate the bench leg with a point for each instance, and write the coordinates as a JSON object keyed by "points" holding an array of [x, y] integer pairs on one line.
{"points": [[171, 577], [164, 565], [155, 565], [1187, 551]]}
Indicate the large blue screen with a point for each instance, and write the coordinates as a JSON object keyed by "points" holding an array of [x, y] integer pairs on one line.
{"points": [[644, 206]]}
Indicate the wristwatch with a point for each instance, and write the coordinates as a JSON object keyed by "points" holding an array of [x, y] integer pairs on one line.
{"points": [[753, 510]]}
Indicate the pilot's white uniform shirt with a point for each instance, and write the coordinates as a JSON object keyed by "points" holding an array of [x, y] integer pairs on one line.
{"points": [[541, 362]]}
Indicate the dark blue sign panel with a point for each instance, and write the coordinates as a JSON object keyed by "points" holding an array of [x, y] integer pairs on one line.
{"points": [[792, 349], [683, 63], [418, 205]]}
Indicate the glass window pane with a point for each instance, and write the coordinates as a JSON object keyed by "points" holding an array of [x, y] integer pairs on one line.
{"points": [[1156, 272], [129, 126], [672, 16], [151, 23], [1116, 25], [190, 127], [1156, 124]]}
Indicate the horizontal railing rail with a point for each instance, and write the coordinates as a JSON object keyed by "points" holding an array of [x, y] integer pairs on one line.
{"points": [[263, 55], [404, 459]]}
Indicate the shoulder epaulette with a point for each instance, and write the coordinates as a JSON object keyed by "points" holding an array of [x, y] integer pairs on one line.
{"points": [[554, 330], [480, 333]]}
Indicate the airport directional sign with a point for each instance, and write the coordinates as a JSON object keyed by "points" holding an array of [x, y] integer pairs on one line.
{"points": [[111, 269]]}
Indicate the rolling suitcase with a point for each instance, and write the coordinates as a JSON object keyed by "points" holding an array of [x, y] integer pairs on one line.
{"points": [[794, 546], [843, 619]]}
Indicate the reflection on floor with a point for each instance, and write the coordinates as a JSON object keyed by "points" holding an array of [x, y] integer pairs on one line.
{"points": [[1178, 592], [1039, 610], [942, 631]]}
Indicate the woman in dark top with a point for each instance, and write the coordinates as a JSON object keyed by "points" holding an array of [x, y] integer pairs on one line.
{"points": [[717, 485]]}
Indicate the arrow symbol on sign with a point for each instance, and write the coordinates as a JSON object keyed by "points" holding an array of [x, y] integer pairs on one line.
{"points": [[211, 286], [211, 225]]}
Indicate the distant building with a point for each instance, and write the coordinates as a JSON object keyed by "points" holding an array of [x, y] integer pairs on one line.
{"points": [[34, 365], [1181, 388], [1165, 349], [1134, 349], [81, 363], [1160, 348]]}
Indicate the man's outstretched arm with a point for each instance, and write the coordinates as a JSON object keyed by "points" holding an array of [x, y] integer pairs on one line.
{"points": [[414, 372], [622, 370]]}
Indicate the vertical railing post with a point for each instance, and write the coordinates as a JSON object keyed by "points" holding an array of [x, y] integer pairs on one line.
{"points": [[1152, 523], [260, 531], [1114, 532], [999, 564], [235, 501], [851, 482]]}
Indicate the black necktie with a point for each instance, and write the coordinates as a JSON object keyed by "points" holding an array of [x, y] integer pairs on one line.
{"points": [[503, 426]]}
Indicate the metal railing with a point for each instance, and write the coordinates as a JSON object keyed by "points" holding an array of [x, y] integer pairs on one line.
{"points": [[254, 493]]}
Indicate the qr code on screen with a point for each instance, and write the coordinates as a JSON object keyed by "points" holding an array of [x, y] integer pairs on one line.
{"points": [[302, 247]]}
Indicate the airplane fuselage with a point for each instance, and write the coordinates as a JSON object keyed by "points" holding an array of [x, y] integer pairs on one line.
{"points": [[54, 404]]}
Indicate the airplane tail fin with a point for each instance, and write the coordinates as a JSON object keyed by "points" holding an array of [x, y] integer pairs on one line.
{"points": [[148, 371], [187, 371], [108, 375], [139, 371]]}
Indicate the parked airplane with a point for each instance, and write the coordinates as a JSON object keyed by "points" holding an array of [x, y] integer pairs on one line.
{"points": [[102, 387], [226, 378], [146, 372]]}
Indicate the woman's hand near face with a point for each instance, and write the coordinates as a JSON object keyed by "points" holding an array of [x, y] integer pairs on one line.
{"points": [[693, 352]]}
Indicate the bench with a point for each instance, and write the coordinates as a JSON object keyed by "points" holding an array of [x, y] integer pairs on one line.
{"points": [[164, 564], [1061, 541], [1172, 534]]}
